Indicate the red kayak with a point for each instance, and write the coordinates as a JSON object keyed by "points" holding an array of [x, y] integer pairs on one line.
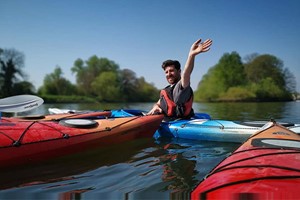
{"points": [[25, 141], [266, 166]]}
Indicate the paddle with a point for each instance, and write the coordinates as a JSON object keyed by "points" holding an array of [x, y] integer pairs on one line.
{"points": [[19, 103]]}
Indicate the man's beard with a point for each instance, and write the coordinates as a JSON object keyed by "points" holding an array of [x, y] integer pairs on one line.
{"points": [[173, 79]]}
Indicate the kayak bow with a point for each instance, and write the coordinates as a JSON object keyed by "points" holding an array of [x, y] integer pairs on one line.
{"points": [[265, 166]]}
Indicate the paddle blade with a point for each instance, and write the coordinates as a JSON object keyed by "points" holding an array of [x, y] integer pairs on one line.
{"points": [[20, 103]]}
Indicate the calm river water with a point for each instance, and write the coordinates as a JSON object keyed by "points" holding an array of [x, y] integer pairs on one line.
{"points": [[141, 169]]}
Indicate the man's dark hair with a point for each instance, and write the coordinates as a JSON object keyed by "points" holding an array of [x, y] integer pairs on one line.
{"points": [[169, 63]]}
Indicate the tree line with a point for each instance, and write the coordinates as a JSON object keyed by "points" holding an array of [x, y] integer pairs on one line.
{"points": [[101, 79], [260, 78]]}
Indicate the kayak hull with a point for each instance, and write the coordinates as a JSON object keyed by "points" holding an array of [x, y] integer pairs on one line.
{"points": [[201, 127], [29, 141], [208, 130], [265, 166], [213, 130]]}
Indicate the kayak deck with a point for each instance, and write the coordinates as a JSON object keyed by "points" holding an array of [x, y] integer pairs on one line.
{"points": [[214, 130], [23, 141], [266, 165]]}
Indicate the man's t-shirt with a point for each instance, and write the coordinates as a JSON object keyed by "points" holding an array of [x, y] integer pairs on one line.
{"points": [[180, 94]]}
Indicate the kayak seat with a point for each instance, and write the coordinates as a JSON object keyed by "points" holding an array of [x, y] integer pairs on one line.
{"points": [[262, 123], [79, 123]]}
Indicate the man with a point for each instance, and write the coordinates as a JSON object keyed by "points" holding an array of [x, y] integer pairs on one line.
{"points": [[176, 99]]}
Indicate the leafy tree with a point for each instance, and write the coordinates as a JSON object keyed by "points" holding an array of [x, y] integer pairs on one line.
{"points": [[229, 72], [56, 84], [102, 78], [264, 66], [136, 89], [211, 85], [238, 93], [249, 58], [129, 85], [11, 73], [290, 81], [268, 90], [86, 72], [271, 80], [107, 87], [23, 87], [147, 91], [262, 78]]}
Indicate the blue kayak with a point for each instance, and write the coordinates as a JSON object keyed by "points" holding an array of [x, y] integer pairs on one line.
{"points": [[202, 127]]}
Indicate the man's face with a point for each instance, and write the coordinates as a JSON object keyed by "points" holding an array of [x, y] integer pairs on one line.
{"points": [[172, 74]]}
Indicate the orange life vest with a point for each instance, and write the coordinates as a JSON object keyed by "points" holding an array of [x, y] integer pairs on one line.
{"points": [[171, 109]]}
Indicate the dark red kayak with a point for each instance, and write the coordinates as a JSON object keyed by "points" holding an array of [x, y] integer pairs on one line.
{"points": [[266, 166]]}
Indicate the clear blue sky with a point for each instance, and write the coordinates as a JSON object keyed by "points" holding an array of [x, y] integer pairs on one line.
{"points": [[140, 34]]}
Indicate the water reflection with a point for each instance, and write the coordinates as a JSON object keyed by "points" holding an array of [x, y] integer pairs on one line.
{"points": [[182, 164], [64, 168], [252, 111], [140, 169]]}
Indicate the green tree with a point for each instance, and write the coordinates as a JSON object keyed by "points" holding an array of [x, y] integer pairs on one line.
{"points": [[102, 78], [264, 66], [146, 91], [269, 79], [232, 70], [129, 85], [136, 89], [86, 72], [290, 81], [210, 86], [262, 78], [268, 90], [56, 84], [11, 73], [229, 72], [107, 87], [238, 93], [23, 87]]}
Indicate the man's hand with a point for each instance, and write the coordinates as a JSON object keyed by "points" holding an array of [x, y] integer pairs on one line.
{"points": [[199, 47], [196, 48], [155, 110]]}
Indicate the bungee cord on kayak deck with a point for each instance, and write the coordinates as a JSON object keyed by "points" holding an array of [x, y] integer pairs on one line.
{"points": [[28, 141], [18, 141]]}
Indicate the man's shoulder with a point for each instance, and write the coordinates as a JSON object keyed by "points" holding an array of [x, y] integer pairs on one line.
{"points": [[180, 87]]}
